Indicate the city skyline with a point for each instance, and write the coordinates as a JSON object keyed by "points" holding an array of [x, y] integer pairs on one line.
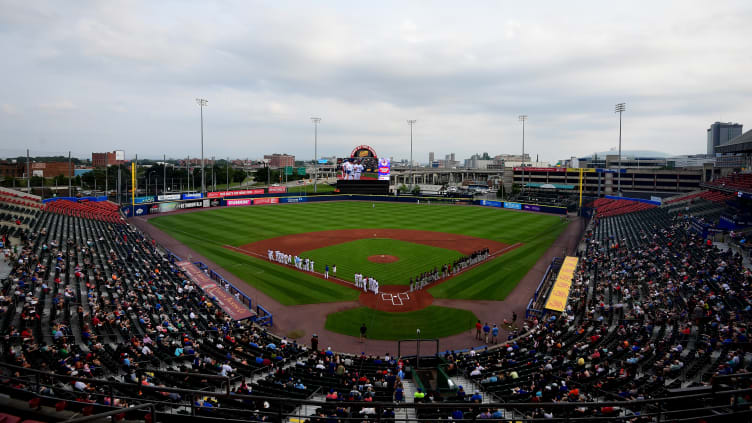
{"points": [[96, 77]]}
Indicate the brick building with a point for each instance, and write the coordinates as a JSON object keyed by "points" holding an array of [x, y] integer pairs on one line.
{"points": [[280, 160], [52, 169], [105, 159], [10, 169]]}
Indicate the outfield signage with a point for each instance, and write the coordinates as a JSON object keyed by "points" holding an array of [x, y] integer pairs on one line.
{"points": [[277, 190], [168, 197], [531, 207], [490, 203], [557, 299], [239, 202], [292, 199], [191, 204], [164, 207], [511, 205], [140, 200], [266, 200], [226, 301], [192, 196], [540, 169], [237, 193]]}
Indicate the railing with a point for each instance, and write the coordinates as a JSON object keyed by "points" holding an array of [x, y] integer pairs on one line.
{"points": [[263, 316], [719, 399], [530, 311]]}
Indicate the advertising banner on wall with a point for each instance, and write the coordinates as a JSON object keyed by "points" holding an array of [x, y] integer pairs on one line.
{"points": [[239, 202], [191, 204], [531, 207], [236, 193], [192, 196], [215, 202], [277, 190], [540, 169], [266, 200], [229, 304], [168, 197], [511, 205], [140, 200], [490, 203], [292, 199], [167, 207]]}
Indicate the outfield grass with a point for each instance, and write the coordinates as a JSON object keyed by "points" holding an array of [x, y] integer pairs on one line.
{"points": [[433, 322], [207, 231], [352, 257]]}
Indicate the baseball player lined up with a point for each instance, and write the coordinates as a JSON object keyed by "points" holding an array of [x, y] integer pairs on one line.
{"points": [[300, 263], [366, 283], [447, 270]]}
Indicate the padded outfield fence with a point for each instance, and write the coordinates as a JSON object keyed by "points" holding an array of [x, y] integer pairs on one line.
{"points": [[291, 198]]}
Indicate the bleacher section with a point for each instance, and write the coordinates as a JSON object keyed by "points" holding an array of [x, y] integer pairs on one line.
{"points": [[100, 210], [609, 207], [736, 181], [714, 196]]}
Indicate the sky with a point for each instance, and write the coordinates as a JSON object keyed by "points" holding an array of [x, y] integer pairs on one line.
{"points": [[99, 76]]}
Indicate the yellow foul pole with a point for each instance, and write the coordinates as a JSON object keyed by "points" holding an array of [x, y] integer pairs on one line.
{"points": [[133, 183]]}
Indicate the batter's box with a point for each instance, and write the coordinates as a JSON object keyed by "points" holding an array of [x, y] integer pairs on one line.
{"points": [[394, 299], [404, 296]]}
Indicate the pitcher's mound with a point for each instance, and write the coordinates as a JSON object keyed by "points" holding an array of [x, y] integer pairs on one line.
{"points": [[382, 258]]}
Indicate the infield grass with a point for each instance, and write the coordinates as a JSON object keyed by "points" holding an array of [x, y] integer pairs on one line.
{"points": [[352, 257], [207, 231], [433, 322]]}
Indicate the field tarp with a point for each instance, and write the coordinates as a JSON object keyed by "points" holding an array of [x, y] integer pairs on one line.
{"points": [[229, 304]]}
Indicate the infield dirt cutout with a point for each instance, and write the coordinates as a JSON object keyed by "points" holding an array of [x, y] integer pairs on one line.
{"points": [[391, 298], [296, 244]]}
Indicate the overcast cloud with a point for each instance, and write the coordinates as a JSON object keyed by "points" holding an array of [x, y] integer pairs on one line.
{"points": [[98, 76]]}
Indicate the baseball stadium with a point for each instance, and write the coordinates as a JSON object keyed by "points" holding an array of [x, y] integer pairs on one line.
{"points": [[376, 212]]}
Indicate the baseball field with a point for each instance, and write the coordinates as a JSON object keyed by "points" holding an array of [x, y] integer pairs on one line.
{"points": [[391, 242]]}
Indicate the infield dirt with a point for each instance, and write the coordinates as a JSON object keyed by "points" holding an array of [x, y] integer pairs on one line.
{"points": [[296, 244]]}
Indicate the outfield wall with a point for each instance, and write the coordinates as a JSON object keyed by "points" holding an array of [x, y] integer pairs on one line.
{"points": [[288, 198]]}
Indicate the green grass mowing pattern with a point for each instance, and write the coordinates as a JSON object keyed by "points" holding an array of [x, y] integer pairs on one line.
{"points": [[352, 257], [501, 274], [433, 322], [207, 231], [284, 284]]}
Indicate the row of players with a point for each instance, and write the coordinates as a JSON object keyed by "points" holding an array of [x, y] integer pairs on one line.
{"points": [[299, 262]]}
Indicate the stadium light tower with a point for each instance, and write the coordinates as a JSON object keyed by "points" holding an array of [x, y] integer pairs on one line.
{"points": [[619, 108], [201, 103], [315, 121], [523, 118], [411, 122]]}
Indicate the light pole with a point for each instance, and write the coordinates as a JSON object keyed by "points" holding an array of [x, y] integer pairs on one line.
{"points": [[523, 118], [411, 122], [619, 108], [316, 121], [201, 103]]}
